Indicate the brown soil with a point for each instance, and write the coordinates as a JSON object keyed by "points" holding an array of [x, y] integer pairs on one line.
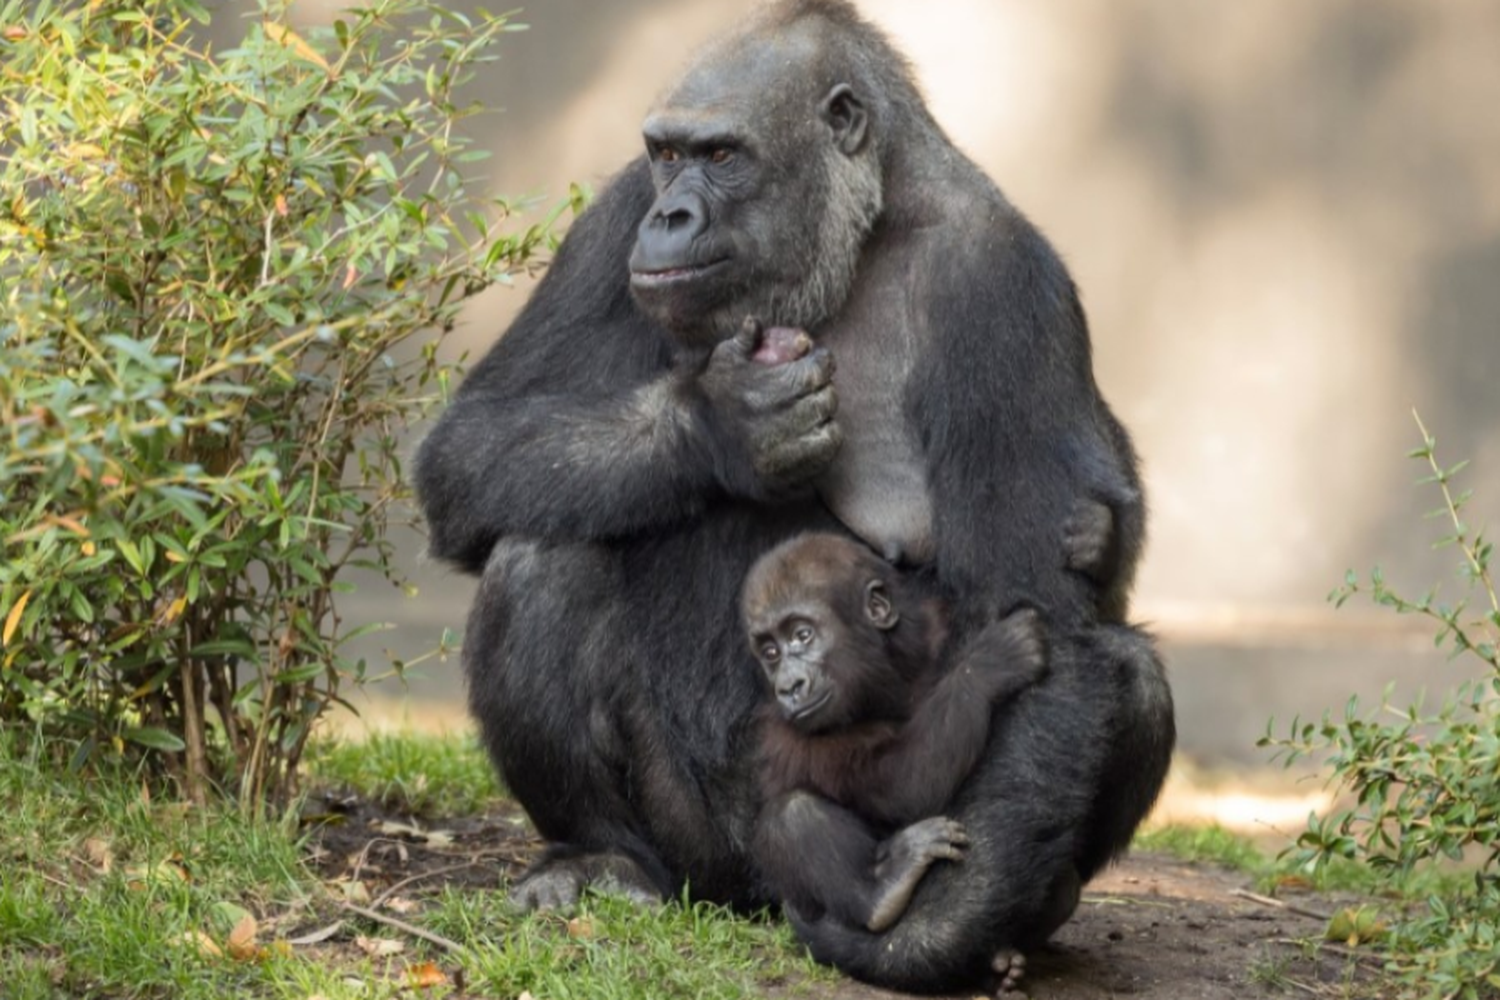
{"points": [[1152, 927]]}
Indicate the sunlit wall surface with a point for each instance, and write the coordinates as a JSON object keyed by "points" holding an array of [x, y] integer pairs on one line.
{"points": [[1285, 220]]}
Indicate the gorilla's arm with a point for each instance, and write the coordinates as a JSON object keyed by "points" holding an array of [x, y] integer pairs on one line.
{"points": [[581, 423], [942, 741], [1017, 437]]}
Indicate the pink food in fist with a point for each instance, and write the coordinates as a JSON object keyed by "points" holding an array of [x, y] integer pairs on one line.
{"points": [[780, 344]]}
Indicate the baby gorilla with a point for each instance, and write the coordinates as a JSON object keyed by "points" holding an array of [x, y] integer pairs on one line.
{"points": [[865, 741]]}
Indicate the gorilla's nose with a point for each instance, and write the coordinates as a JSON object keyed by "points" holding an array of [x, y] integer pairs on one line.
{"points": [[666, 235]]}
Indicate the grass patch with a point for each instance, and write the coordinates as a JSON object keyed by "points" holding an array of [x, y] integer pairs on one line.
{"points": [[105, 885], [108, 888], [417, 773], [1214, 844], [616, 951], [1206, 843]]}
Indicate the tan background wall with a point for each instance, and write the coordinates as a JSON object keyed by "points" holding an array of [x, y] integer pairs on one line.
{"points": [[1284, 216]]}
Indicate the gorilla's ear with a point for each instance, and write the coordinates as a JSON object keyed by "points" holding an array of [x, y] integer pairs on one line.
{"points": [[878, 607], [846, 116]]}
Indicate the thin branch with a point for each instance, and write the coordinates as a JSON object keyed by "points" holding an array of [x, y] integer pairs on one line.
{"points": [[1278, 904], [1440, 476], [1373, 962], [265, 260], [391, 891], [403, 926]]}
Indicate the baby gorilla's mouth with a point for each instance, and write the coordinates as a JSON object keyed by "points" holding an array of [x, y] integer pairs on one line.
{"points": [[805, 712]]}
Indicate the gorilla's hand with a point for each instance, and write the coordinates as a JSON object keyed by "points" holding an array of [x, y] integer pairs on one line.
{"points": [[1007, 655], [777, 417]]}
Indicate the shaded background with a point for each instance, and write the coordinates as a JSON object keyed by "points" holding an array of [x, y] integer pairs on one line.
{"points": [[1285, 221]]}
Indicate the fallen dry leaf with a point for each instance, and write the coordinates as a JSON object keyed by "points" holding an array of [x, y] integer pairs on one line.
{"points": [[581, 928], [424, 975], [202, 943], [99, 854], [14, 618], [318, 936], [393, 828], [379, 947], [241, 940], [157, 874], [355, 892]]}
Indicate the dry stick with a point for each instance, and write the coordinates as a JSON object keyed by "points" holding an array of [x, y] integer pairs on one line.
{"points": [[402, 925], [392, 890], [1371, 961], [1288, 907], [317, 936], [1315, 991], [192, 725]]}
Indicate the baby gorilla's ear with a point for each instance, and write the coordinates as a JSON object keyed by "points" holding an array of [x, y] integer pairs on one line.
{"points": [[878, 607]]}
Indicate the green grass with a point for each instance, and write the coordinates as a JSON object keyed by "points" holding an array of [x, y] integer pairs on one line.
{"points": [[105, 887], [411, 772], [1206, 843], [616, 951], [102, 881], [1216, 845]]}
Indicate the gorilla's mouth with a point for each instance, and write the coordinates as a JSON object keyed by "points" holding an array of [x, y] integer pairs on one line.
{"points": [[805, 713], [676, 275]]}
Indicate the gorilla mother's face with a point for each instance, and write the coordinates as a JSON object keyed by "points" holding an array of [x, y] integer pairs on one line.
{"points": [[766, 189]]}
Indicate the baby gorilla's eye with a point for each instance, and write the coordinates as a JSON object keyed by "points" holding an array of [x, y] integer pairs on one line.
{"points": [[770, 653], [803, 635]]}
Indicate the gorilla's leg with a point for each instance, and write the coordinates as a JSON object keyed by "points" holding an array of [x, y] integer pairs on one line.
{"points": [[821, 857], [546, 675], [1144, 733]]}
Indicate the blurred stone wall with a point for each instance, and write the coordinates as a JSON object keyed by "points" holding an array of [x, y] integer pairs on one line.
{"points": [[1284, 217]]}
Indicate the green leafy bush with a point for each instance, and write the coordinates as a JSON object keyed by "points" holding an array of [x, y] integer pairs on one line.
{"points": [[209, 264], [1427, 786]]}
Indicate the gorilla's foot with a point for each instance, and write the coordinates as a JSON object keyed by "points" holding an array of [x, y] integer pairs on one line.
{"points": [[556, 883], [1009, 967]]}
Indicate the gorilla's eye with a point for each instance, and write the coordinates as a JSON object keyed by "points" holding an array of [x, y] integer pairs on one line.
{"points": [[804, 634], [722, 155], [667, 154]]}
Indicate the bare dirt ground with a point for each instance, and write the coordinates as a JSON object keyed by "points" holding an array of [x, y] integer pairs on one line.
{"points": [[1152, 927]]}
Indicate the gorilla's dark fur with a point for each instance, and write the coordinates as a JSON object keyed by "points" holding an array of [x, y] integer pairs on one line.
{"points": [[619, 460]]}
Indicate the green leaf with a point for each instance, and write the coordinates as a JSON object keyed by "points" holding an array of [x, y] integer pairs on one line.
{"points": [[154, 738], [300, 674]]}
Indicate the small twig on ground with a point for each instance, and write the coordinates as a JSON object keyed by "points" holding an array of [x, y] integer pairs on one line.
{"points": [[390, 891], [1305, 987], [1125, 901], [318, 936], [1373, 962], [1301, 911], [406, 928], [60, 882]]}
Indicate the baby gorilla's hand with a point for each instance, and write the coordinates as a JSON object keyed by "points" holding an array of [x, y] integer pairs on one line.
{"points": [[780, 344], [1011, 654]]}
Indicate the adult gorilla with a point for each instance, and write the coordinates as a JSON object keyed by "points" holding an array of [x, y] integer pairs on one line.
{"points": [[616, 463]]}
